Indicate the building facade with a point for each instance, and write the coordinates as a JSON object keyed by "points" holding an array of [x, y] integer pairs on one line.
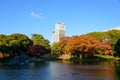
{"points": [[58, 32]]}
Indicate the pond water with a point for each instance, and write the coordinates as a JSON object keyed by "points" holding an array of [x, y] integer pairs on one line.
{"points": [[61, 70]]}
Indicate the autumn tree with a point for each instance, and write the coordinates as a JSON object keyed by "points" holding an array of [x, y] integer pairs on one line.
{"points": [[103, 48], [63, 43], [78, 46], [36, 50], [60, 47], [86, 46]]}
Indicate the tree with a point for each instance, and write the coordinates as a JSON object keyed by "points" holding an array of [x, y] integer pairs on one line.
{"points": [[18, 43], [3, 44], [36, 50], [3, 49], [55, 49], [106, 39], [86, 46], [63, 43], [38, 39], [81, 46], [109, 37], [103, 48], [60, 47], [117, 48], [114, 35], [97, 35]]}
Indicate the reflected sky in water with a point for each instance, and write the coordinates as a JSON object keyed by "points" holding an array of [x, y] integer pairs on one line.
{"points": [[61, 71]]}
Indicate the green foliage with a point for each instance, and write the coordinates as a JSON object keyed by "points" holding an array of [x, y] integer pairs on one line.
{"points": [[97, 35], [3, 39], [3, 49], [14, 44], [117, 48], [109, 37], [60, 47], [55, 49], [3, 44], [114, 35], [38, 39], [108, 57], [19, 43]]}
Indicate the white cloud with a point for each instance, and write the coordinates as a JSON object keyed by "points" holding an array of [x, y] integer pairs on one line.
{"points": [[33, 14]]}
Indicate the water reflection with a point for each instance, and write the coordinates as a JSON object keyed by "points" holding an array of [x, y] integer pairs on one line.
{"points": [[62, 70]]}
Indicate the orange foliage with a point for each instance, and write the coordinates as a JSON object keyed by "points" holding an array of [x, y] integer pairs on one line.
{"points": [[63, 41], [86, 44], [1, 55]]}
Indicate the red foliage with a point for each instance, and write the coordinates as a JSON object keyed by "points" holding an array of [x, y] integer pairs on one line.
{"points": [[36, 50]]}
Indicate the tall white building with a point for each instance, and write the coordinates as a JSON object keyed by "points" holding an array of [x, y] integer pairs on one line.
{"points": [[58, 32]]}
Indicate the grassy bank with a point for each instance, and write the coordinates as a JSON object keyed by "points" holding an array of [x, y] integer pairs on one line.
{"points": [[96, 57], [51, 57], [108, 57]]}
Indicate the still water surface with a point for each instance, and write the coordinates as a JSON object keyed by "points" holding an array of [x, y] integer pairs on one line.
{"points": [[59, 70]]}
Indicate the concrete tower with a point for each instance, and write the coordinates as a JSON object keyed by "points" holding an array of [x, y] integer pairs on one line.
{"points": [[58, 32]]}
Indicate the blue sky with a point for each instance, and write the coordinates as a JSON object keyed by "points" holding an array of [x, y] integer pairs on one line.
{"points": [[40, 16]]}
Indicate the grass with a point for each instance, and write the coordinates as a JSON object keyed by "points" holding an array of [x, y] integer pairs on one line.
{"points": [[108, 57], [97, 58]]}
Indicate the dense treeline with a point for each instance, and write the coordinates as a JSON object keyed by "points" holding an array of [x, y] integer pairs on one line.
{"points": [[79, 46], [104, 43], [15, 44]]}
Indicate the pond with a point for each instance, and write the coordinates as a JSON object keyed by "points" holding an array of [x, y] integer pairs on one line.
{"points": [[61, 70]]}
